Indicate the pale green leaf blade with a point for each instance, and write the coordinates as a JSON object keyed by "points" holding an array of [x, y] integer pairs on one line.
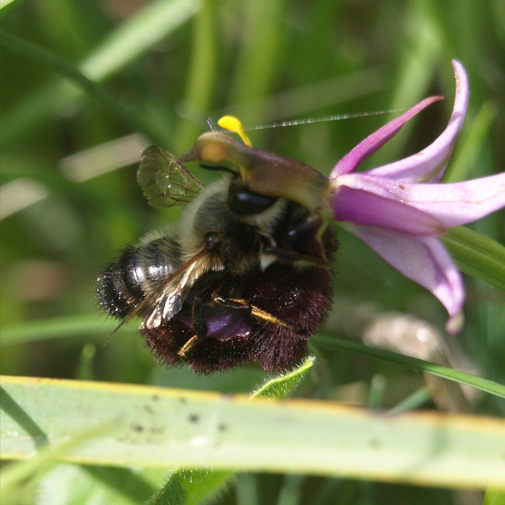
{"points": [[155, 427], [415, 363], [60, 327], [188, 487], [477, 255]]}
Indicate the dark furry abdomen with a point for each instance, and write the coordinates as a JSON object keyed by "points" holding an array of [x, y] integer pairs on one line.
{"points": [[301, 298]]}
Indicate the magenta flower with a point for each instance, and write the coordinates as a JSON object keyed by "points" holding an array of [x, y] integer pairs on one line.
{"points": [[399, 210]]}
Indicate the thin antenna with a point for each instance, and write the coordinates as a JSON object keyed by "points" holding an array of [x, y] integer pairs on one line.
{"points": [[298, 122], [211, 124]]}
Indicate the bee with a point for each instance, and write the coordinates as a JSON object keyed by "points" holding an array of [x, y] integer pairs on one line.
{"points": [[246, 273]]}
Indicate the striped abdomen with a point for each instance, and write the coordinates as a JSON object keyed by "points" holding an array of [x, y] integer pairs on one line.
{"points": [[139, 269]]}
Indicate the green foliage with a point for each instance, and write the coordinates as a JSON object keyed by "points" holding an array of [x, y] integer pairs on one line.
{"points": [[78, 74]]}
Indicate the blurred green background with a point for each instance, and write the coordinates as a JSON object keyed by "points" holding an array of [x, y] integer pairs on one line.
{"points": [[154, 71]]}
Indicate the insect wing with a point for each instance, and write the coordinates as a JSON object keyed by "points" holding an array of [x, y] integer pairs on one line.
{"points": [[170, 299], [164, 180], [167, 299]]}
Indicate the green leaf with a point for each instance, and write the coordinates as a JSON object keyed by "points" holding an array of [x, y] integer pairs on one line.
{"points": [[58, 328], [201, 78], [93, 484], [7, 5], [415, 363], [477, 255], [123, 46], [14, 475], [188, 487], [93, 90], [283, 386], [494, 497], [155, 427]]}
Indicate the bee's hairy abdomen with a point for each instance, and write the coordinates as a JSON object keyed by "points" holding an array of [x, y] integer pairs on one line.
{"points": [[140, 268]]}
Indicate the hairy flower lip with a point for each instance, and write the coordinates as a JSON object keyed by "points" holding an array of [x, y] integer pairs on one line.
{"points": [[399, 209]]}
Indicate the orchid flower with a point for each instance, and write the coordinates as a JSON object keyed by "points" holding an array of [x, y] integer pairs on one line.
{"points": [[399, 209]]}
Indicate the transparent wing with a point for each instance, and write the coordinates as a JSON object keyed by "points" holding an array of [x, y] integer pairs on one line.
{"points": [[167, 299], [164, 180]]}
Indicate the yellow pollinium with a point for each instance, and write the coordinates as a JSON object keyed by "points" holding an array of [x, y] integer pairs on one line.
{"points": [[231, 123]]}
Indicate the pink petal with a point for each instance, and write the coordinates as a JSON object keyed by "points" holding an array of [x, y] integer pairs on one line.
{"points": [[451, 204], [423, 260], [429, 164], [366, 208], [377, 139]]}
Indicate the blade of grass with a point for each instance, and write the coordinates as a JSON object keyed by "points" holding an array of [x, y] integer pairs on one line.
{"points": [[415, 363], [201, 77], [413, 401], [258, 61], [155, 427], [7, 5], [122, 47], [92, 89], [17, 473], [68, 484], [58, 328], [494, 497], [189, 487], [477, 255]]}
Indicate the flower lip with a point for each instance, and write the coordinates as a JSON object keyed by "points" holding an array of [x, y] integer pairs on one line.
{"points": [[399, 209]]}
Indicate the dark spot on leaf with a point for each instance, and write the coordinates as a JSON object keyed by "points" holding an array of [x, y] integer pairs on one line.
{"points": [[375, 443], [193, 418], [138, 428], [155, 397], [222, 427]]}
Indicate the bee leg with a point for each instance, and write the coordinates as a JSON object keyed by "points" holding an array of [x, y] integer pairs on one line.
{"points": [[200, 326], [188, 346], [240, 304]]}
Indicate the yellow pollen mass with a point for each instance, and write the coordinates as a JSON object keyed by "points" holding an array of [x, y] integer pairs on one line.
{"points": [[234, 125]]}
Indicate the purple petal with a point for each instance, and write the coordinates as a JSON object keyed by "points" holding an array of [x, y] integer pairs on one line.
{"points": [[429, 164], [451, 204], [365, 208], [377, 139], [423, 260]]}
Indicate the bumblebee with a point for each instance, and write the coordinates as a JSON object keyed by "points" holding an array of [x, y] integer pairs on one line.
{"points": [[246, 273]]}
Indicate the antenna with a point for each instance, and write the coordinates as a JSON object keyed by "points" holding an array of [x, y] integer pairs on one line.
{"points": [[211, 124]]}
